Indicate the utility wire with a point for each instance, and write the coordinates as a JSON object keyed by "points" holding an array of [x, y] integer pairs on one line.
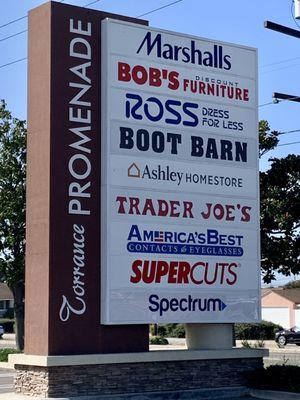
{"points": [[276, 101], [284, 133], [89, 4], [15, 34], [13, 21], [13, 62], [93, 2], [19, 19], [278, 69], [279, 62], [267, 104], [157, 9], [287, 144], [26, 30]]}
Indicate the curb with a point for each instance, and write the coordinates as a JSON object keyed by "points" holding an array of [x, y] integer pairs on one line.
{"points": [[274, 395], [6, 365], [198, 394]]}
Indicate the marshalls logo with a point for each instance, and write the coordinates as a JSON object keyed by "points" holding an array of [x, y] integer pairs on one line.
{"points": [[189, 54]]}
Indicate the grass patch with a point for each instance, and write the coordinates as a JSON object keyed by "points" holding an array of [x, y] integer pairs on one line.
{"points": [[5, 352]]}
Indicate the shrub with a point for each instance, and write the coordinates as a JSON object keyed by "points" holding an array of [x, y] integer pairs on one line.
{"points": [[175, 330], [264, 330], [276, 377], [168, 330], [5, 352], [160, 330], [8, 325], [10, 313], [158, 340], [257, 345]]}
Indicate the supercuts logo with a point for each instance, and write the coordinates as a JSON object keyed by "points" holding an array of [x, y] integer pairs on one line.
{"points": [[183, 272], [210, 243], [188, 54]]}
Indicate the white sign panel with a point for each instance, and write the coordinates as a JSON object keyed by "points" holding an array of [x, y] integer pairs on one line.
{"points": [[180, 223]]}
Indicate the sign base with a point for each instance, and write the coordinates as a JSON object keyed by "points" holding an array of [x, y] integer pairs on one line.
{"points": [[107, 375]]}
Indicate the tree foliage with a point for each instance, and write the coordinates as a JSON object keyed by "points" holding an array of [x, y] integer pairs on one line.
{"points": [[280, 210], [12, 209], [268, 139], [292, 285]]}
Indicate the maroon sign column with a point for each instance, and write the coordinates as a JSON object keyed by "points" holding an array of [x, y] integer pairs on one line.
{"points": [[63, 189]]}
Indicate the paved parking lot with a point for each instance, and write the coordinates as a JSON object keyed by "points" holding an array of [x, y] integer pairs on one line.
{"points": [[6, 380]]}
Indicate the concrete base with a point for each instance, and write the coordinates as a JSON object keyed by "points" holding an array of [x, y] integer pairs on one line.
{"points": [[134, 375], [208, 336]]}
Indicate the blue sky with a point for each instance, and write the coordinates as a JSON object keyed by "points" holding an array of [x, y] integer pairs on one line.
{"points": [[231, 20]]}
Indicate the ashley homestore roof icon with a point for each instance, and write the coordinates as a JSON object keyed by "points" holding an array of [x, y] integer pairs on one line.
{"points": [[133, 171]]}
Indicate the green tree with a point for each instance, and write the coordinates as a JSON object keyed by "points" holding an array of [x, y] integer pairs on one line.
{"points": [[280, 210], [12, 211], [292, 285]]}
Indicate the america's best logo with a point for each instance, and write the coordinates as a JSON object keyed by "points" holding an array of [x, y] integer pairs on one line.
{"points": [[209, 243], [183, 272]]}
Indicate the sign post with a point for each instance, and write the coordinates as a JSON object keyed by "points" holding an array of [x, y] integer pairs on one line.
{"points": [[142, 206]]}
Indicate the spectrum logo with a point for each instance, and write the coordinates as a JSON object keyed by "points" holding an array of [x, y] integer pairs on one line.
{"points": [[185, 304], [208, 243]]}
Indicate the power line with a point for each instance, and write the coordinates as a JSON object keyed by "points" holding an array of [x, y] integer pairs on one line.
{"points": [[267, 104], [279, 62], [19, 19], [283, 133], [278, 69], [287, 144], [157, 9], [15, 34], [276, 101], [13, 21], [93, 2], [13, 62]]}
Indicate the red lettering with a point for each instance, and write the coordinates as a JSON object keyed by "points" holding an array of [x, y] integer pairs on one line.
{"points": [[233, 273], [161, 270], [174, 272], [218, 211], [139, 74], [174, 205], [154, 77], [122, 200], [229, 215], [245, 213], [148, 207], [134, 202], [187, 209], [163, 208], [136, 270], [183, 272], [173, 80], [124, 72]]}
